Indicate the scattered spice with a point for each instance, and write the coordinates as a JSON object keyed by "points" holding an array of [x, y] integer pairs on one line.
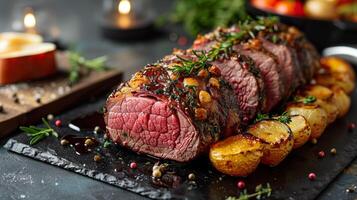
{"points": [[50, 117], [351, 189], [58, 123], [88, 142], [38, 99], [191, 177], [351, 126], [261, 192], [321, 154], [312, 176], [97, 158], [156, 173], [38, 134], [314, 141], [333, 151], [133, 165], [64, 142], [96, 129], [241, 185]]}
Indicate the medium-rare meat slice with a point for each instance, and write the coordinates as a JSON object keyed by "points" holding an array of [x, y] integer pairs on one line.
{"points": [[169, 115], [269, 75], [270, 72], [245, 79], [287, 60]]}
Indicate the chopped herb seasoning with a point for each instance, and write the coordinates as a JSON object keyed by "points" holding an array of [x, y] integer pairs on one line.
{"points": [[284, 118], [261, 117]]}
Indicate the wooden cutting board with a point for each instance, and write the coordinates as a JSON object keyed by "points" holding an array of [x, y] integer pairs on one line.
{"points": [[27, 103]]}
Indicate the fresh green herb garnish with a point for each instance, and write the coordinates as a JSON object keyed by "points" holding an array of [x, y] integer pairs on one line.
{"points": [[305, 100], [309, 99], [202, 15], [38, 134], [107, 143], [284, 118], [260, 192], [224, 47], [78, 64], [261, 117]]}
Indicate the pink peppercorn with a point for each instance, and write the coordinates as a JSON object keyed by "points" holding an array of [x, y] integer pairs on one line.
{"points": [[351, 126], [182, 41], [312, 176], [241, 184], [321, 154], [58, 123], [133, 165]]}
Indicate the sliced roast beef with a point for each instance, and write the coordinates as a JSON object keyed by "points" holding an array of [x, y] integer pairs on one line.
{"points": [[287, 60], [176, 108], [154, 113], [244, 78], [270, 72]]}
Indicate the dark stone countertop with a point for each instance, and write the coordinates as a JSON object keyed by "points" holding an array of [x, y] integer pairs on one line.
{"points": [[24, 178]]}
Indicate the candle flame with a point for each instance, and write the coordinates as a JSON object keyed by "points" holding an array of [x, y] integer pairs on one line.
{"points": [[124, 7], [29, 20]]}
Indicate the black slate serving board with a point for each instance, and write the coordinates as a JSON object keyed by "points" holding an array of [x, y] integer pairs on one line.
{"points": [[288, 180]]}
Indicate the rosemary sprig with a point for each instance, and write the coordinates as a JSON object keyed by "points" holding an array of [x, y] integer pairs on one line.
{"points": [[78, 63], [260, 192], [224, 47], [38, 134]]}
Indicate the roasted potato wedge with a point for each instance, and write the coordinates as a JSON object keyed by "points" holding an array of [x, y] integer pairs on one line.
{"points": [[300, 129], [341, 100], [313, 113], [336, 65], [237, 155], [331, 109], [277, 140]]}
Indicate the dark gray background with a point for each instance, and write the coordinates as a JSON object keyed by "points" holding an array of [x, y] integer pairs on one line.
{"points": [[77, 20]]}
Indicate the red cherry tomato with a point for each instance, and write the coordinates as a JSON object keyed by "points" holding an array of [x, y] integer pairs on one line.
{"points": [[264, 4], [340, 2], [292, 8]]}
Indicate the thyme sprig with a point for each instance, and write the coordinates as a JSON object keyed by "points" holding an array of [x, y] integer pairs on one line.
{"points": [[78, 63], [305, 100], [260, 192], [284, 118], [224, 47], [38, 134]]}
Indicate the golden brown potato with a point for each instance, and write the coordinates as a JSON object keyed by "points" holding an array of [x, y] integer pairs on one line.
{"points": [[336, 71], [324, 99], [313, 113], [300, 129], [338, 66], [318, 91], [237, 155], [277, 140], [331, 109], [341, 100], [341, 80]]}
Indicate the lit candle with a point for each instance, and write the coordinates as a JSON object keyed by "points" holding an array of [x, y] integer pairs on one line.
{"points": [[30, 21], [124, 19]]}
